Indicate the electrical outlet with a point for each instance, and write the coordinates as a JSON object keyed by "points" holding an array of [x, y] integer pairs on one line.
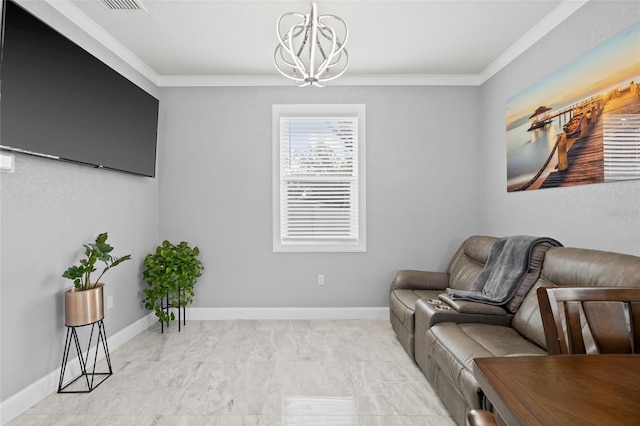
{"points": [[109, 302], [7, 162], [320, 279]]}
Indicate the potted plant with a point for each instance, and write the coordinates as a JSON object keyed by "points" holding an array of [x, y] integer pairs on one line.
{"points": [[84, 301], [171, 273]]}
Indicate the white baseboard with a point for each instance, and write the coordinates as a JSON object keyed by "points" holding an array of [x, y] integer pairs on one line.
{"points": [[36, 392], [202, 314]]}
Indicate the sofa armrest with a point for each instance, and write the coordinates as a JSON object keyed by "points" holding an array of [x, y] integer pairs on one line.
{"points": [[420, 280], [428, 314], [469, 307]]}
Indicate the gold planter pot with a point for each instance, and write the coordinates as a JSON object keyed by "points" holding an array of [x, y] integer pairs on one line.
{"points": [[83, 307]]}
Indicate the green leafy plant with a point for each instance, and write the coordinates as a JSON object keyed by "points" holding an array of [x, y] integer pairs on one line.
{"points": [[94, 252], [171, 272]]}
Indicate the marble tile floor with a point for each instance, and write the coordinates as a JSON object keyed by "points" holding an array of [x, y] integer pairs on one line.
{"points": [[255, 373]]}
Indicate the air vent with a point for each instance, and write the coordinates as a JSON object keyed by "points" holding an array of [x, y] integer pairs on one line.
{"points": [[122, 4]]}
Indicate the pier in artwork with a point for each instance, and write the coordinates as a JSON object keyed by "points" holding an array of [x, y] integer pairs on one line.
{"points": [[578, 154]]}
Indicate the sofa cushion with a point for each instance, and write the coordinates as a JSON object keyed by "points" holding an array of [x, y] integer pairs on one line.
{"points": [[475, 340], [469, 261], [535, 268], [568, 266], [454, 347], [583, 267], [527, 320], [469, 307]]}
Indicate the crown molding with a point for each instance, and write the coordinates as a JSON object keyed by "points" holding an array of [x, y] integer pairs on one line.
{"points": [[557, 16], [345, 80], [222, 80], [542, 28]]}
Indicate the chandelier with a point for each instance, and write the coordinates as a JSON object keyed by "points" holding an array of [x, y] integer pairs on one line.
{"points": [[311, 53]]}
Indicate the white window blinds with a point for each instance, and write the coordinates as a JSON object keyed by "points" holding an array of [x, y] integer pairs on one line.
{"points": [[319, 183]]}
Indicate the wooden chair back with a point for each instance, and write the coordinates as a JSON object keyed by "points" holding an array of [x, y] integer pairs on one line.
{"points": [[608, 316]]}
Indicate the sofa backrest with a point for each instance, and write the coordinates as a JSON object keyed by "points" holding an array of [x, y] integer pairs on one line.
{"points": [[471, 258], [468, 261], [568, 266]]}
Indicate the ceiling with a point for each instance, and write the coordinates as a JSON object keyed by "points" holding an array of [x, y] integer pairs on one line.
{"points": [[216, 42]]}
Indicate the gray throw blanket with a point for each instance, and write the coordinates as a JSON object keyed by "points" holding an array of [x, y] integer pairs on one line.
{"points": [[506, 267]]}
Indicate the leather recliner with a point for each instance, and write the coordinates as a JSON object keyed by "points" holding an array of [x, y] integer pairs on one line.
{"points": [[446, 335]]}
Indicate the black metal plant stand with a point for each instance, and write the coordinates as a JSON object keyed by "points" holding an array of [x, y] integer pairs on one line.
{"points": [[72, 336], [182, 311]]}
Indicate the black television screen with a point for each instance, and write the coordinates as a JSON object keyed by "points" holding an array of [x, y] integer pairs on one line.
{"points": [[58, 100]]}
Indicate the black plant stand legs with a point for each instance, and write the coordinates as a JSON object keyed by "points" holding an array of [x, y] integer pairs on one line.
{"points": [[72, 337], [182, 311]]}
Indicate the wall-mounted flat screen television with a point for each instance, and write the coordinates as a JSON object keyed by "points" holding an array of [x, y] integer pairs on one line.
{"points": [[59, 101]]}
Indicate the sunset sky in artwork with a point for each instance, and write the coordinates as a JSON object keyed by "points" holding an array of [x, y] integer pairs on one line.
{"points": [[614, 63]]}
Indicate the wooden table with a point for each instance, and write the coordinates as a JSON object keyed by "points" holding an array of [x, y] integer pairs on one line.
{"points": [[562, 389]]}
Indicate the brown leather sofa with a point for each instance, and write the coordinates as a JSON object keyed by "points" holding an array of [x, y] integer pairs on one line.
{"points": [[445, 335]]}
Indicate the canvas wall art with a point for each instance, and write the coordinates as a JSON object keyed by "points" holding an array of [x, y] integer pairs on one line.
{"points": [[581, 124]]}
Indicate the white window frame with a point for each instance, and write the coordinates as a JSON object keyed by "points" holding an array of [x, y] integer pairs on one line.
{"points": [[319, 110]]}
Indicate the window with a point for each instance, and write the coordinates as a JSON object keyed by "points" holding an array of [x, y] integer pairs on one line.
{"points": [[319, 178]]}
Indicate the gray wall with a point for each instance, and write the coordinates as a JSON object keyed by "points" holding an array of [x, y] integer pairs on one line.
{"points": [[603, 216], [48, 210], [436, 174], [215, 191]]}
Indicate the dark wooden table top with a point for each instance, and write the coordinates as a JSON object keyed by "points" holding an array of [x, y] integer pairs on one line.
{"points": [[563, 389]]}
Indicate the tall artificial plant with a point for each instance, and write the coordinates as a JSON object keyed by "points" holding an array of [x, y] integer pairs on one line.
{"points": [[94, 252], [171, 273]]}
